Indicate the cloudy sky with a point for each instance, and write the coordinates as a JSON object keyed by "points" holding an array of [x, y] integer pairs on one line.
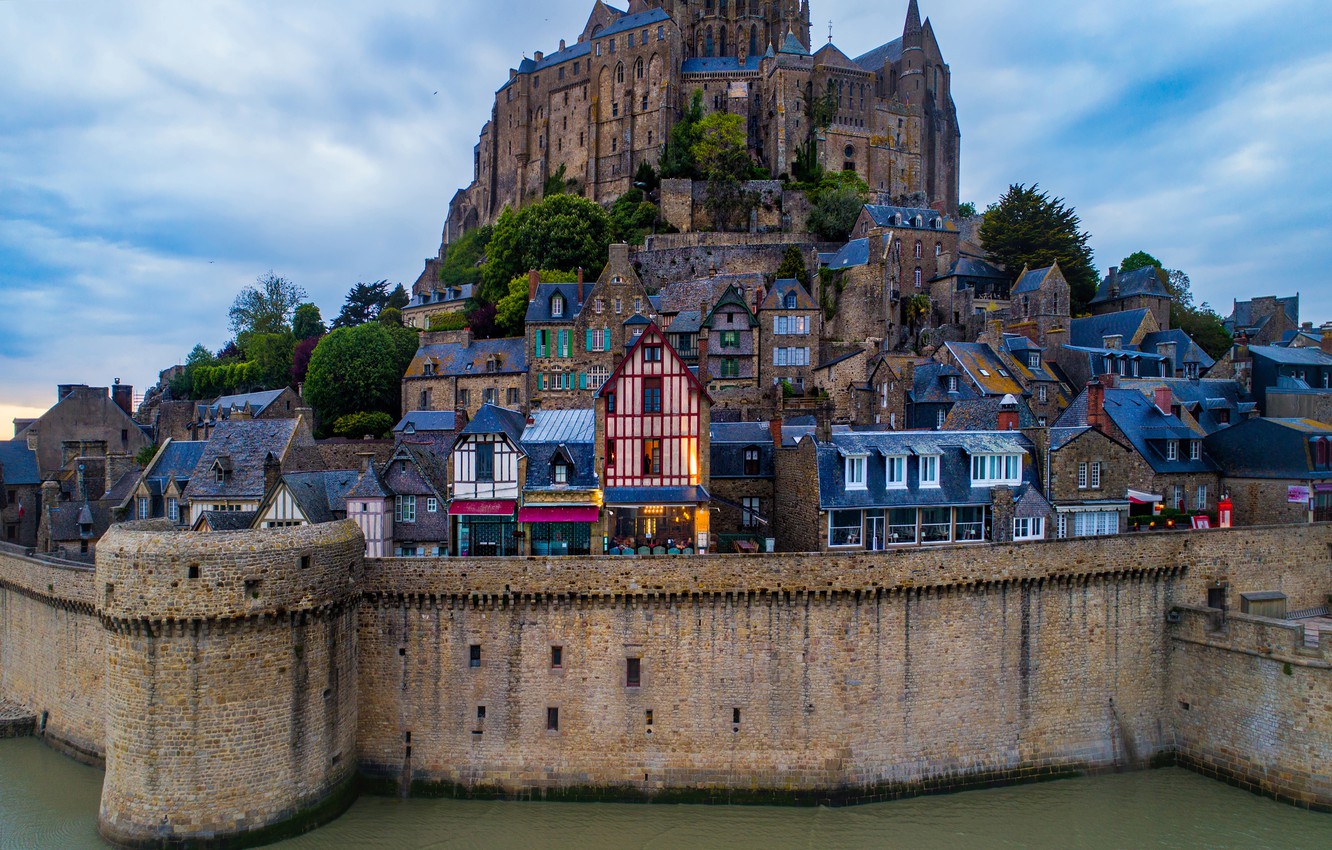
{"points": [[157, 155]]}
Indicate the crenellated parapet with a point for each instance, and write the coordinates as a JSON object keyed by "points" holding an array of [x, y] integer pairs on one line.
{"points": [[231, 699]]}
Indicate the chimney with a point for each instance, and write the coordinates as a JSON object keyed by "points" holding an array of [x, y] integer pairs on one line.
{"points": [[703, 356], [775, 428], [367, 458], [1114, 342], [1096, 405], [561, 44], [1114, 281], [538, 56], [1167, 350], [823, 423], [533, 279], [1325, 341], [580, 287], [617, 258], [1008, 413], [1306, 326], [272, 472], [1163, 399], [123, 396], [994, 329]]}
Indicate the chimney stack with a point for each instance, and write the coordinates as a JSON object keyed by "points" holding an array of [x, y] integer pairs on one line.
{"points": [[1008, 413], [1096, 405], [1114, 342], [533, 279], [1168, 351], [123, 396], [775, 428], [580, 285], [1163, 399], [367, 458], [272, 472], [1325, 342]]}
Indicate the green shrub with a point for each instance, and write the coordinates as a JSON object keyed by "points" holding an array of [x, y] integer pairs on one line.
{"points": [[357, 425]]}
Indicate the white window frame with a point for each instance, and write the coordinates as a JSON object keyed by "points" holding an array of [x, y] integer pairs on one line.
{"points": [[751, 507], [173, 509], [894, 473], [929, 470], [854, 472], [1172, 449], [432, 505], [860, 531], [1082, 475], [143, 504], [1029, 528], [404, 509], [994, 469], [1096, 475], [1195, 450], [1201, 497]]}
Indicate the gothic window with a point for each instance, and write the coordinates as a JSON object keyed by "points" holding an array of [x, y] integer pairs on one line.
{"points": [[619, 73], [723, 52], [919, 249], [938, 248], [918, 277], [638, 69], [753, 40], [721, 7], [707, 51]]}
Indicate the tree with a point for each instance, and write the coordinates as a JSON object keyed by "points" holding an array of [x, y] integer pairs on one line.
{"points": [[1138, 260], [300, 359], [464, 257], [448, 322], [646, 178], [836, 204], [966, 209], [266, 307], [398, 298], [1029, 228], [308, 322], [632, 217], [355, 369], [199, 356], [364, 301], [559, 232], [271, 355], [511, 311], [677, 155], [723, 159], [390, 316], [793, 266], [356, 426], [558, 184]]}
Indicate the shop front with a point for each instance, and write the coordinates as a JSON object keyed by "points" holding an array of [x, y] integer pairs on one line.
{"points": [[657, 520], [486, 528], [559, 530]]}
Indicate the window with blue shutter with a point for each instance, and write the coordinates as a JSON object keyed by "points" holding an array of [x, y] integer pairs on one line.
{"points": [[582, 380], [589, 347], [539, 343]]}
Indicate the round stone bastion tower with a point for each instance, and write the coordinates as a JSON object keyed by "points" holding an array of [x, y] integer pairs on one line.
{"points": [[231, 682]]}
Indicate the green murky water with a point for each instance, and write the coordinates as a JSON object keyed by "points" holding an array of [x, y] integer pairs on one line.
{"points": [[48, 801]]}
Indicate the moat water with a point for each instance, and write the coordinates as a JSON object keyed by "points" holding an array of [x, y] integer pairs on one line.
{"points": [[49, 801]]}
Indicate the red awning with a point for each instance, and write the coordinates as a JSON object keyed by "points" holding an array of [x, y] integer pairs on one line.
{"points": [[493, 507], [554, 514]]}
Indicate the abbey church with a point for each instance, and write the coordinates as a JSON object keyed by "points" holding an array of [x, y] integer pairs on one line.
{"points": [[603, 105]]}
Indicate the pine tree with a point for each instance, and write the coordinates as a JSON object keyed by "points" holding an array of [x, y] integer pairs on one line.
{"points": [[1029, 228]]}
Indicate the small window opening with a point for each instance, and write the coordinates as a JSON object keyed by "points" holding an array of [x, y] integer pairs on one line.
{"points": [[305, 562], [735, 716], [402, 650], [252, 586], [474, 655], [633, 672], [552, 719], [480, 712], [194, 570], [556, 657]]}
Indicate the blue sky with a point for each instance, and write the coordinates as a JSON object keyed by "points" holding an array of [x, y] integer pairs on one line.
{"points": [[157, 156]]}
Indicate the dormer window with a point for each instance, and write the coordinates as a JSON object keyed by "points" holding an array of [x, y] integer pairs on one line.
{"points": [[557, 306], [1172, 449], [952, 383], [1195, 450], [919, 221], [560, 472], [751, 460], [855, 472], [897, 219], [790, 300], [1034, 360]]}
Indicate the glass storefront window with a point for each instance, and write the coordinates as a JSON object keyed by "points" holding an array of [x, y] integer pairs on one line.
{"points": [[561, 538], [935, 525], [901, 526], [971, 523], [653, 526], [844, 528], [484, 537]]}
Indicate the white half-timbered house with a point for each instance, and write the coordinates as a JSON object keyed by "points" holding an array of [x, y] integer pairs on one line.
{"points": [[653, 451], [306, 498], [487, 466]]}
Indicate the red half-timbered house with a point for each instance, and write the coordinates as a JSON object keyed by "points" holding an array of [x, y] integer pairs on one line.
{"points": [[653, 451]]}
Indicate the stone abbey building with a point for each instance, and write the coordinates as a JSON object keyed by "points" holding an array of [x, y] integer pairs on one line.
{"points": [[603, 105]]}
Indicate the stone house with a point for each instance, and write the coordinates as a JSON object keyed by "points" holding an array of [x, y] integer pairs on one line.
{"points": [[1140, 289], [1290, 382], [969, 291], [1276, 471], [573, 354], [1213, 403], [728, 344], [241, 463], [1039, 306], [1149, 456], [881, 399], [430, 298], [1264, 320], [934, 389], [790, 332], [20, 494], [282, 403], [416, 483], [161, 491], [85, 422], [878, 490], [842, 377], [742, 480], [306, 498], [1043, 391], [452, 371]]}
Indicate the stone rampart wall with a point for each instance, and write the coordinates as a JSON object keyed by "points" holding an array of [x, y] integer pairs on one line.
{"points": [[1251, 703], [52, 657]]}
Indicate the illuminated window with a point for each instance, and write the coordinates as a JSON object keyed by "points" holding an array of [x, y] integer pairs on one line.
{"points": [[652, 457]]}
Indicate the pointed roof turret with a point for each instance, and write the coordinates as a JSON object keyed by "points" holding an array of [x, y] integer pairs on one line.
{"points": [[912, 19], [792, 45]]}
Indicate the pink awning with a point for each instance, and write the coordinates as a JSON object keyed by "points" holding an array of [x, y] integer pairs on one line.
{"points": [[553, 514], [493, 507]]}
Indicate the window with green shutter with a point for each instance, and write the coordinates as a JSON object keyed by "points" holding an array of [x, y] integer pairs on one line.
{"points": [[588, 346], [730, 339], [582, 380], [539, 343]]}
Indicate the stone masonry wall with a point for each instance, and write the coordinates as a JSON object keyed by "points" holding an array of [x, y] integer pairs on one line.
{"points": [[52, 657], [1249, 702]]}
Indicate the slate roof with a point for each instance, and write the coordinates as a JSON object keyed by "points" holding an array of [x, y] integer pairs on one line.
{"points": [[1241, 316], [244, 445], [728, 442], [685, 322], [258, 402], [1292, 356], [538, 309], [176, 462], [1313, 335], [1062, 436], [1202, 398], [1031, 280], [831, 56], [1269, 448], [493, 419], [776, 297], [792, 46], [570, 434], [732, 298], [418, 421], [431, 459], [633, 22], [18, 463], [453, 358], [953, 447], [875, 59], [974, 267], [982, 414], [1091, 331], [1186, 350], [828, 364], [66, 518], [984, 367], [683, 295], [1143, 281], [928, 386], [229, 520], [718, 64], [369, 486], [1145, 426], [853, 253], [882, 216], [321, 496], [451, 295]]}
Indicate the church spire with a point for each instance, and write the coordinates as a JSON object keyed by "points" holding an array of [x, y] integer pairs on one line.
{"points": [[912, 19]]}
